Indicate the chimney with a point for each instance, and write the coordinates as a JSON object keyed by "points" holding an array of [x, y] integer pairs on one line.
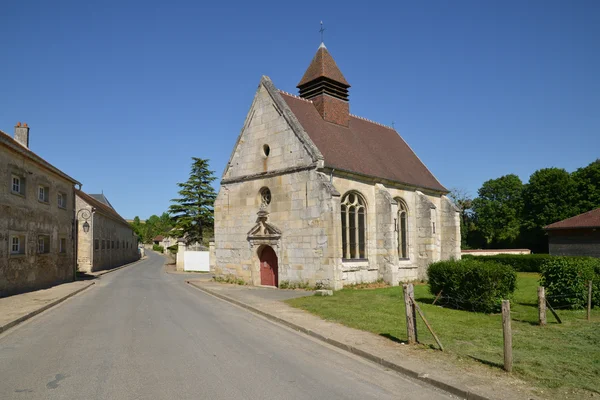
{"points": [[22, 134], [324, 84]]}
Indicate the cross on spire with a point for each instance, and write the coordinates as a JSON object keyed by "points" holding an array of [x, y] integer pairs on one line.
{"points": [[322, 30]]}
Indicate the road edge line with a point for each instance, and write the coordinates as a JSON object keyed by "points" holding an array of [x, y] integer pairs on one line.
{"points": [[455, 390]]}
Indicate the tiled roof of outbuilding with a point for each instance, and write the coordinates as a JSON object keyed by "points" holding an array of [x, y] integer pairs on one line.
{"points": [[364, 147], [590, 219]]}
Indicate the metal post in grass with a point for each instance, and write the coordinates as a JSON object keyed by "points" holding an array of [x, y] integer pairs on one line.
{"points": [[411, 326], [542, 305], [589, 309], [506, 330]]}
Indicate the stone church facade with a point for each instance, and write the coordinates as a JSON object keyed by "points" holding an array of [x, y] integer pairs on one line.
{"points": [[313, 194]]}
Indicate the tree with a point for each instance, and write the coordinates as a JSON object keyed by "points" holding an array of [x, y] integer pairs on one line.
{"points": [[498, 209], [193, 213], [463, 201], [548, 197], [587, 184]]}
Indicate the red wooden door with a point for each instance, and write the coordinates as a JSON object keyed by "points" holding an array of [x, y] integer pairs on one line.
{"points": [[268, 267]]}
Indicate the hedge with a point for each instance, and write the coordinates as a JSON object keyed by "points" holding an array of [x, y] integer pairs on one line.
{"points": [[158, 248], [520, 262], [566, 281], [472, 284]]}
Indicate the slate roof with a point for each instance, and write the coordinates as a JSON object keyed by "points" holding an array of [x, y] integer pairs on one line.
{"points": [[101, 207], [11, 143], [590, 219], [323, 66], [101, 198], [364, 147]]}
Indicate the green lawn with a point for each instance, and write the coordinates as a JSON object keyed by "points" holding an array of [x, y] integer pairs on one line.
{"points": [[563, 355]]}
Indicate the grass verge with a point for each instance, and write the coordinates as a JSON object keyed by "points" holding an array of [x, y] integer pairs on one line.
{"points": [[561, 357]]}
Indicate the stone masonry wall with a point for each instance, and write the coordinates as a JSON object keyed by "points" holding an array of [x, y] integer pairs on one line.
{"points": [[25, 216]]}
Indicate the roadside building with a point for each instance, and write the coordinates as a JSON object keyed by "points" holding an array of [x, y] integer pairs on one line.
{"points": [[576, 236], [105, 239], [314, 194], [37, 246]]}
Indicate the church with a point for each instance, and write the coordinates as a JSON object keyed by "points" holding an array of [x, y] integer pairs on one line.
{"points": [[317, 196]]}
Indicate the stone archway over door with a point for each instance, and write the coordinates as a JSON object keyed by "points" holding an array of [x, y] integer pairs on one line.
{"points": [[268, 267]]}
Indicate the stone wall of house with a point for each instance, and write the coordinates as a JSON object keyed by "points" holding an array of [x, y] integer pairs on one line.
{"points": [[450, 230], [120, 243], [23, 215], [574, 242]]}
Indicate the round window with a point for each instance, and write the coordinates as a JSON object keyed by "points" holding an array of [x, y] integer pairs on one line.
{"points": [[266, 150], [265, 196]]}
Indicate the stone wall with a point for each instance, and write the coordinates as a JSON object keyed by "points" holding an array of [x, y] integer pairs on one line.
{"points": [[120, 243], [25, 216], [574, 242]]}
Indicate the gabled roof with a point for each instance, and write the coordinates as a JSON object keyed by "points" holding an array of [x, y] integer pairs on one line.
{"points": [[323, 66], [12, 144], [101, 207], [158, 238], [590, 219], [364, 147], [102, 198]]}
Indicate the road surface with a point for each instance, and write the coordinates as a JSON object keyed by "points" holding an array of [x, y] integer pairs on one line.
{"points": [[140, 333]]}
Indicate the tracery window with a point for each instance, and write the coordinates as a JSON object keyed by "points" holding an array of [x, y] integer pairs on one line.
{"points": [[354, 226], [402, 229]]}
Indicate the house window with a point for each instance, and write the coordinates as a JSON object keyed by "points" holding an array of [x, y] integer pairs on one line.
{"points": [[96, 244], [103, 244], [354, 227], [17, 244], [112, 244], [43, 244], [63, 245], [62, 200], [433, 227], [402, 229], [43, 192], [117, 244], [18, 185]]}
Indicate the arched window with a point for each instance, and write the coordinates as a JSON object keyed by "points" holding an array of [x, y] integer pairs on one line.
{"points": [[402, 229], [354, 226]]}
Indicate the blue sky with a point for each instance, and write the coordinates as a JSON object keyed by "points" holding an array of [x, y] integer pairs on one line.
{"points": [[121, 95]]}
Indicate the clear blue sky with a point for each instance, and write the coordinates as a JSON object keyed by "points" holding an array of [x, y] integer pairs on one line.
{"points": [[121, 95]]}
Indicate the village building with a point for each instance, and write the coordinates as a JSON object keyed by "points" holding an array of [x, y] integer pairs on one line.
{"points": [[576, 236], [37, 200], [104, 239], [314, 194]]}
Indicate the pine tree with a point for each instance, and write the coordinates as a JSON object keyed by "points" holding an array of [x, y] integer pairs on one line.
{"points": [[193, 213]]}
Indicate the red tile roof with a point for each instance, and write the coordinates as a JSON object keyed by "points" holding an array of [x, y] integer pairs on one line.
{"points": [[590, 219], [323, 65], [101, 207], [158, 238], [364, 147]]}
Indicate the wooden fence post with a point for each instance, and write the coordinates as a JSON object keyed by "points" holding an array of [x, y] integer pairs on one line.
{"points": [[542, 305], [507, 335], [589, 310], [411, 326]]}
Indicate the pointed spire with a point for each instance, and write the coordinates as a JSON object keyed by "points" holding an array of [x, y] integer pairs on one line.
{"points": [[323, 66]]}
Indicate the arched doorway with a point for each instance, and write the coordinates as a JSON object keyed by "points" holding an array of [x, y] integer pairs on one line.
{"points": [[268, 267]]}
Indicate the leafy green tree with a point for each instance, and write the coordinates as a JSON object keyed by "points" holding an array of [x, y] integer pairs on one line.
{"points": [[498, 209], [549, 196], [463, 201], [587, 184], [193, 212]]}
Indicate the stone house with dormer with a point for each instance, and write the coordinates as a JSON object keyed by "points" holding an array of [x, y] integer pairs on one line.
{"points": [[317, 195], [37, 200]]}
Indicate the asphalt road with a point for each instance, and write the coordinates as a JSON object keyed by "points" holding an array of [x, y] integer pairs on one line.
{"points": [[140, 333]]}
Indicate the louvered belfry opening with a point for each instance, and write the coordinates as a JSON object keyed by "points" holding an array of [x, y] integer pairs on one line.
{"points": [[324, 84]]}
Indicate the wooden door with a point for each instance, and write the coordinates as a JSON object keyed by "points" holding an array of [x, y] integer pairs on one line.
{"points": [[268, 267]]}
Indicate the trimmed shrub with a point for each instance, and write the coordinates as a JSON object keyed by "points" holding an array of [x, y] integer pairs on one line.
{"points": [[520, 262], [472, 284], [566, 281], [158, 248]]}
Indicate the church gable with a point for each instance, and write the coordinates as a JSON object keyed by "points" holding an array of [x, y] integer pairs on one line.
{"points": [[271, 140]]}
